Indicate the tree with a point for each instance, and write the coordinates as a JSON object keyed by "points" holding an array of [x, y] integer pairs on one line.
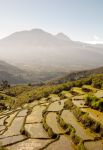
{"points": [[5, 84]]}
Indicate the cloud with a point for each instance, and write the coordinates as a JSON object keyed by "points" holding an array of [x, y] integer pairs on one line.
{"points": [[96, 37], [94, 42]]}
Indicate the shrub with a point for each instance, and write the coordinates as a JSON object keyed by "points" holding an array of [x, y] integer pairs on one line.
{"points": [[77, 113], [87, 81], [100, 105], [62, 123], [5, 84], [78, 83], [69, 129], [96, 127], [51, 133], [88, 122], [74, 137], [94, 102], [81, 146], [97, 81], [68, 104], [89, 99], [46, 127]]}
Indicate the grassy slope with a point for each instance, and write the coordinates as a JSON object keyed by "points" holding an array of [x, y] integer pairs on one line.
{"points": [[25, 93]]}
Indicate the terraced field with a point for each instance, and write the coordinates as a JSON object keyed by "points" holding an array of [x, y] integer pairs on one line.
{"points": [[52, 123]]}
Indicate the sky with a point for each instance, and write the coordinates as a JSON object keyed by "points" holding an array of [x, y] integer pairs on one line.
{"points": [[81, 20]]}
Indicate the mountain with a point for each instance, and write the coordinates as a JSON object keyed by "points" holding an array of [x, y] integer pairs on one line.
{"points": [[11, 73], [46, 52], [62, 36]]}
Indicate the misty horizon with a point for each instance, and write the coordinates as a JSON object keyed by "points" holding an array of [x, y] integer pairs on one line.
{"points": [[96, 41], [79, 20]]}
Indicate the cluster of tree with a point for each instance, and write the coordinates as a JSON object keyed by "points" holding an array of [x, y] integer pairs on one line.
{"points": [[4, 84], [97, 81]]}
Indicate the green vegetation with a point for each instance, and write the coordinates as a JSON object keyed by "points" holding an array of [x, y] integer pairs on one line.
{"points": [[2, 148], [94, 102], [62, 123], [77, 91], [4, 85], [17, 90], [69, 130], [84, 118], [97, 81], [48, 129], [65, 119], [65, 94], [25, 93], [89, 88], [81, 146], [44, 91], [68, 104], [6, 102], [90, 99]]}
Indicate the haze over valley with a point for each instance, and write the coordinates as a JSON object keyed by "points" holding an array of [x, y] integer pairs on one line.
{"points": [[45, 56], [39, 48]]}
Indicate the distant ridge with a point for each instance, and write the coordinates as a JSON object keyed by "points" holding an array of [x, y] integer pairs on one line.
{"points": [[62, 36], [46, 51], [77, 75], [14, 75], [11, 73]]}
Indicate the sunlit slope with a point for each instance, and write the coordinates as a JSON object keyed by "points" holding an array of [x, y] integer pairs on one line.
{"points": [[59, 116], [41, 49]]}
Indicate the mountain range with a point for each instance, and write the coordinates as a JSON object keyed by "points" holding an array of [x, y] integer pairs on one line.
{"points": [[39, 50], [76, 75], [36, 55]]}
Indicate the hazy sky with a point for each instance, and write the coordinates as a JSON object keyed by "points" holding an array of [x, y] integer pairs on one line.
{"points": [[79, 19]]}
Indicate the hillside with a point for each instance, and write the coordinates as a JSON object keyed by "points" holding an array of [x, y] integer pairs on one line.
{"points": [[60, 116], [76, 75], [47, 52], [15, 75], [11, 73]]}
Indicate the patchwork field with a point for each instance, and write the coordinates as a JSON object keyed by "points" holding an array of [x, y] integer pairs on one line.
{"points": [[71, 119]]}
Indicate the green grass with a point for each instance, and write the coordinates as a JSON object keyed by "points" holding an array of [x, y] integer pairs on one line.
{"points": [[94, 102], [89, 88], [66, 94], [17, 90], [77, 90], [26, 94]]}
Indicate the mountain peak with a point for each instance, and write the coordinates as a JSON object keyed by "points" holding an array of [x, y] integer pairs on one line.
{"points": [[63, 36], [37, 30]]}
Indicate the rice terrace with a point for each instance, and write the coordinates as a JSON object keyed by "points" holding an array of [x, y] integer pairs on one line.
{"points": [[68, 115], [51, 74]]}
